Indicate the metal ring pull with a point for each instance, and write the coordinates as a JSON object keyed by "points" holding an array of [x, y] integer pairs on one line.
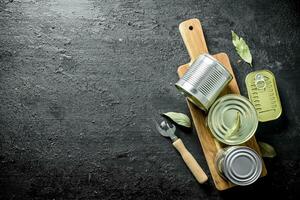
{"points": [[260, 82]]}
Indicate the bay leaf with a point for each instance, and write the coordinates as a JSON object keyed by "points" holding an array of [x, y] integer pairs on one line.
{"points": [[234, 129], [267, 150], [241, 48], [179, 118]]}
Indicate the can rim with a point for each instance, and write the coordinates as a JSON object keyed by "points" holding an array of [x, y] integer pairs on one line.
{"points": [[240, 179], [216, 61], [191, 97]]}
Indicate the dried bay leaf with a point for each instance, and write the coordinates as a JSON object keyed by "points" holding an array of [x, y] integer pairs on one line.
{"points": [[179, 118], [234, 129], [266, 150], [241, 48]]}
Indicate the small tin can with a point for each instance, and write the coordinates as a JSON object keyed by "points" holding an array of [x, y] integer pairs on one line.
{"points": [[263, 93], [204, 81], [238, 164], [232, 119]]}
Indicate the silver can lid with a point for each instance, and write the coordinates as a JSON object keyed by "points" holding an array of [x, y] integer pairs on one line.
{"points": [[242, 166]]}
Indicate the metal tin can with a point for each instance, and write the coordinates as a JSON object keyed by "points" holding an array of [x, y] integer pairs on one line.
{"points": [[238, 164], [263, 93], [204, 81], [222, 119]]}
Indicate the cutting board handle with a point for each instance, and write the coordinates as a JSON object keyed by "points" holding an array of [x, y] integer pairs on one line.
{"points": [[193, 38]]}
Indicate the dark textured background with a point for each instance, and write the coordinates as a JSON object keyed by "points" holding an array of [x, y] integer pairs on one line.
{"points": [[80, 79]]}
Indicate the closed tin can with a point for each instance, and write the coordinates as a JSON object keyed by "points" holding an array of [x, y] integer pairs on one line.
{"points": [[263, 93], [204, 81], [232, 119], [238, 164]]}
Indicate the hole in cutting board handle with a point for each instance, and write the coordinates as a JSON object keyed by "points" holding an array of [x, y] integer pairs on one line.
{"points": [[191, 28]]}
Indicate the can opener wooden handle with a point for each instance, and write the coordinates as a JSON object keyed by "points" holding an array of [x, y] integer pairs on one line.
{"points": [[169, 131], [190, 161]]}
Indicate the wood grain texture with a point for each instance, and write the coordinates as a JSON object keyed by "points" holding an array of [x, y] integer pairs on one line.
{"points": [[190, 161], [209, 145], [192, 34]]}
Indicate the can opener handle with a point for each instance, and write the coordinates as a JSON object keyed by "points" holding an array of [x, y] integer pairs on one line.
{"points": [[190, 161]]}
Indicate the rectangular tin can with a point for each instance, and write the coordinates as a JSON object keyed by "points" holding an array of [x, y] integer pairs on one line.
{"points": [[263, 93]]}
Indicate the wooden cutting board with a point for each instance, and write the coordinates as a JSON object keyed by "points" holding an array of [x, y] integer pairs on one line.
{"points": [[193, 37]]}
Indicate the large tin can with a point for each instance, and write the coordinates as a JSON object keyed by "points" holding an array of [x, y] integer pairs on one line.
{"points": [[204, 81], [232, 119], [238, 164]]}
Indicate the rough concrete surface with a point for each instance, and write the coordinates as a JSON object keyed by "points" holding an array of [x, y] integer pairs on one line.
{"points": [[81, 79]]}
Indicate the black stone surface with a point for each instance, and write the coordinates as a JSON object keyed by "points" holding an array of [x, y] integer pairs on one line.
{"points": [[81, 79]]}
